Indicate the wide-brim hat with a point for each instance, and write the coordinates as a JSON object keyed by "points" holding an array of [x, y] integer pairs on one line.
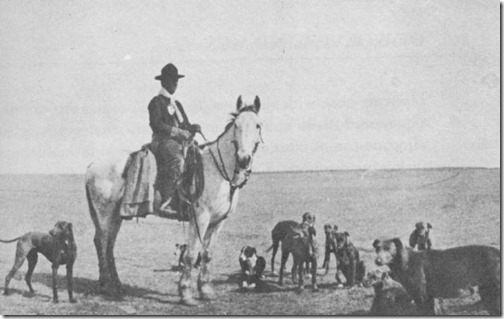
{"points": [[169, 72]]}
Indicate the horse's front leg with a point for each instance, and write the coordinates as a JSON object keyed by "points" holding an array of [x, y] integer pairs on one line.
{"points": [[199, 225], [204, 287]]}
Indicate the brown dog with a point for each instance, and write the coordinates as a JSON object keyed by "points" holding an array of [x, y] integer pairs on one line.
{"points": [[58, 247], [281, 230], [330, 245], [420, 236], [391, 299], [348, 260], [430, 274]]}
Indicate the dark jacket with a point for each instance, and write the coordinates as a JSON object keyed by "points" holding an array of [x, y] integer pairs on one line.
{"points": [[161, 122]]}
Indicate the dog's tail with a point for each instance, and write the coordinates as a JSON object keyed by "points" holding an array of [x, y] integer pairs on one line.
{"points": [[9, 241]]}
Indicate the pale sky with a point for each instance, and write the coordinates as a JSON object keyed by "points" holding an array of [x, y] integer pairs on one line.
{"points": [[344, 84]]}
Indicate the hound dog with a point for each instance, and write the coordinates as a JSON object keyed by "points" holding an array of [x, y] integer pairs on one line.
{"points": [[252, 267], [348, 260], [420, 236], [58, 246]]}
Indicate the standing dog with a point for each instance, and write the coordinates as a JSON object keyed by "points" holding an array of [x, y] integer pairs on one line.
{"points": [[58, 247], [420, 236], [330, 245], [252, 267], [348, 260], [430, 274], [281, 230]]}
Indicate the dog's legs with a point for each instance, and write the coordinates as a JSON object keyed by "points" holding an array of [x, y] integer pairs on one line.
{"points": [[300, 266], [285, 255], [32, 262], [54, 282], [294, 268], [69, 272], [314, 274], [490, 295], [20, 258], [275, 249]]}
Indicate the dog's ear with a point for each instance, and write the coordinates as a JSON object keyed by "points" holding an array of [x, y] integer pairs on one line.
{"points": [[347, 234], [335, 227], [254, 251], [376, 244], [418, 225], [384, 275], [177, 245], [399, 247], [429, 225]]}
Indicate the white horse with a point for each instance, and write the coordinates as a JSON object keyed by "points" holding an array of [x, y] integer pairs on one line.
{"points": [[227, 165]]}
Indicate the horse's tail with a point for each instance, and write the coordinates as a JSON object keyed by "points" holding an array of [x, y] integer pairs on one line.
{"points": [[9, 241], [92, 210]]}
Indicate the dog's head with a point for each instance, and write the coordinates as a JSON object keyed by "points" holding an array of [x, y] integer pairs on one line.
{"points": [[329, 230], [308, 219], [248, 258], [180, 249], [373, 277], [420, 236], [62, 230], [341, 239], [388, 251]]}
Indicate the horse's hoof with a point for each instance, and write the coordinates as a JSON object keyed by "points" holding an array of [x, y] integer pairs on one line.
{"points": [[207, 293], [188, 302]]}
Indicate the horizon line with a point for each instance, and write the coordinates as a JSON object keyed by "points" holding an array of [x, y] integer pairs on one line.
{"points": [[309, 170]]}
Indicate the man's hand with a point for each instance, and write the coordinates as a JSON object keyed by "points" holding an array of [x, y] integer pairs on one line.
{"points": [[185, 135]]}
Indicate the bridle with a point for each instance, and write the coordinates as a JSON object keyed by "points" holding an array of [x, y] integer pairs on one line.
{"points": [[221, 167]]}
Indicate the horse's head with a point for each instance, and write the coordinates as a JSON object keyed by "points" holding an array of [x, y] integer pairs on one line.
{"points": [[246, 136]]}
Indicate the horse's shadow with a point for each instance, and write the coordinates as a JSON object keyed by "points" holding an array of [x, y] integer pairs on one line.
{"points": [[90, 287]]}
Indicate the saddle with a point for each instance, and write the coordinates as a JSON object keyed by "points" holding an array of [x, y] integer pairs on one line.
{"points": [[140, 195]]}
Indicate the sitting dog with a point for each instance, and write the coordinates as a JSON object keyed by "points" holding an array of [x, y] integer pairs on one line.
{"points": [[420, 236], [330, 246], [448, 273], [180, 250], [348, 261], [391, 299], [58, 247], [252, 267]]}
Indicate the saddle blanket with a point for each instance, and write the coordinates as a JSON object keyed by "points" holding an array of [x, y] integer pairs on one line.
{"points": [[139, 192]]}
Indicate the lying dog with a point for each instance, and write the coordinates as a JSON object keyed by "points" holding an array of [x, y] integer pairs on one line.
{"points": [[281, 230], [58, 247], [420, 236], [330, 246], [252, 267], [446, 273], [348, 261], [391, 299], [180, 251]]}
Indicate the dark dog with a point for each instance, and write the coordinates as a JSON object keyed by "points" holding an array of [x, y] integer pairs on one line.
{"points": [[300, 242], [180, 250], [330, 245], [348, 260], [420, 236], [391, 299], [282, 229], [430, 274], [252, 267], [58, 247]]}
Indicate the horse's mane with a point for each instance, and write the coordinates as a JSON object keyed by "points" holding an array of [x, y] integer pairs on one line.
{"points": [[234, 115]]}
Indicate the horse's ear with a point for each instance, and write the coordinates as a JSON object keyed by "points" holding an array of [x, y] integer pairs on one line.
{"points": [[239, 103], [257, 104]]}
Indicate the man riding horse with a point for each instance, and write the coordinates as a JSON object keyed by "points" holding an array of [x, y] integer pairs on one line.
{"points": [[171, 131]]}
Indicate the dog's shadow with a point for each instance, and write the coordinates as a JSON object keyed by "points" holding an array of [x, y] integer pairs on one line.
{"points": [[87, 287]]}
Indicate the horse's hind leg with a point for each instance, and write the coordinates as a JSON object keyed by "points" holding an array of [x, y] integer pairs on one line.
{"points": [[115, 226]]}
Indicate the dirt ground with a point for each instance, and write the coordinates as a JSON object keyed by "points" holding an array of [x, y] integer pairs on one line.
{"points": [[463, 205]]}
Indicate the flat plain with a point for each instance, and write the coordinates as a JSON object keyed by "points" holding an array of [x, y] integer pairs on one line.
{"points": [[462, 204]]}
